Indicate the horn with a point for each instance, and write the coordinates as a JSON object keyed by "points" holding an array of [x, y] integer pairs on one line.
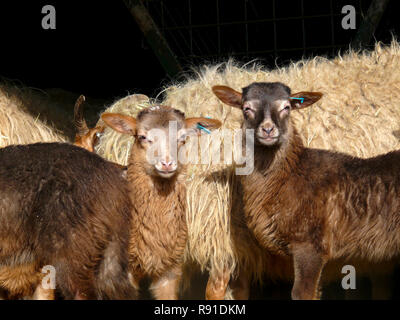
{"points": [[79, 120]]}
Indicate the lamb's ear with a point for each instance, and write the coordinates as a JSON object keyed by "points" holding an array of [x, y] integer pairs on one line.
{"points": [[120, 122], [228, 95], [304, 99], [197, 125]]}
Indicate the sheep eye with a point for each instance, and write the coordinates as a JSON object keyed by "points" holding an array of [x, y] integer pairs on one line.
{"points": [[142, 138], [286, 109]]}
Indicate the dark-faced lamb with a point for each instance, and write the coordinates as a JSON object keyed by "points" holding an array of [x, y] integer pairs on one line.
{"points": [[158, 194], [313, 206]]}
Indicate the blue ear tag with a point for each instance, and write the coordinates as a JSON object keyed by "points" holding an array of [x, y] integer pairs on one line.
{"points": [[301, 99], [199, 126]]}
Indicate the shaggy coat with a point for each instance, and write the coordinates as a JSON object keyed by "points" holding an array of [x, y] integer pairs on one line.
{"points": [[159, 230], [17, 126], [313, 205], [345, 206], [63, 206]]}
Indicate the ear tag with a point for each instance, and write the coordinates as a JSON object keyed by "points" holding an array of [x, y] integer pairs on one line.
{"points": [[301, 99], [199, 126]]}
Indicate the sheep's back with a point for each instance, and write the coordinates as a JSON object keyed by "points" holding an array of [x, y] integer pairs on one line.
{"points": [[60, 205]]}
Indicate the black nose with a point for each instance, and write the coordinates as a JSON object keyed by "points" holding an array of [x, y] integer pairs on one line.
{"points": [[268, 130]]}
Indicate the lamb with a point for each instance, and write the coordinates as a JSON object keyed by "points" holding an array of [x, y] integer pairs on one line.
{"points": [[158, 194], [308, 205], [68, 208], [85, 138]]}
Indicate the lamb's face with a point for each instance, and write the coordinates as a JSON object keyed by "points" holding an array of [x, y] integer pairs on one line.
{"points": [[161, 132], [266, 109]]}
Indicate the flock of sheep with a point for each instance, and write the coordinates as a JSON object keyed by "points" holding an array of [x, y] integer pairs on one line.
{"points": [[107, 221]]}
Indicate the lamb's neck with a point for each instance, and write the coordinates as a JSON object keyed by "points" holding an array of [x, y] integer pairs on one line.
{"points": [[150, 193], [157, 185], [279, 159]]}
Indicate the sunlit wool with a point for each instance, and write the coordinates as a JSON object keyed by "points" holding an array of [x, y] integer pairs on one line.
{"points": [[17, 126]]}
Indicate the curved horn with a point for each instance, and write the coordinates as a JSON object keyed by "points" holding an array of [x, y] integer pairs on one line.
{"points": [[79, 120]]}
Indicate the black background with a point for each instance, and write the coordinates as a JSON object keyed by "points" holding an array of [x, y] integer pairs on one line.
{"points": [[97, 48]]}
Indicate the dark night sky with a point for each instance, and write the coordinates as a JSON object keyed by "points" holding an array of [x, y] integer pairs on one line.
{"points": [[97, 48]]}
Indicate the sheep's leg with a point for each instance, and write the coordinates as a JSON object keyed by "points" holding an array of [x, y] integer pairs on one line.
{"points": [[167, 286], [43, 294], [18, 280], [241, 286], [308, 265], [217, 286], [80, 296]]}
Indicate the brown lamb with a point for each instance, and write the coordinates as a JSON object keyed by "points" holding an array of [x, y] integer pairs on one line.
{"points": [[308, 205], [87, 139], [63, 206], [158, 195]]}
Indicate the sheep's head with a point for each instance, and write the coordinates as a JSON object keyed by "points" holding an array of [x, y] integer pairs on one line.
{"points": [[266, 108], [160, 132], [89, 139], [85, 138]]}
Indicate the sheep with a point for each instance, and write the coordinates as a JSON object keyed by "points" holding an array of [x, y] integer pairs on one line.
{"points": [[158, 194], [17, 126], [312, 205], [85, 138], [65, 207], [360, 101]]}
